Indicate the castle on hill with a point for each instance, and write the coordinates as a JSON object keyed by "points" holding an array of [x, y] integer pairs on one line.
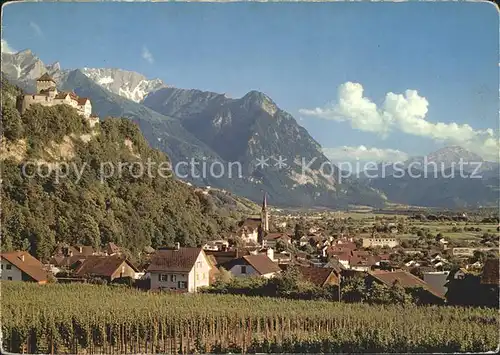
{"points": [[48, 95]]}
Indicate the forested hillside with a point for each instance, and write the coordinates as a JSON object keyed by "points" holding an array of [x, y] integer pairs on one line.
{"points": [[39, 209]]}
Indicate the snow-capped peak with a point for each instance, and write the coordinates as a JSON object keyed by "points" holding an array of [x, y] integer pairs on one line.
{"points": [[128, 84]]}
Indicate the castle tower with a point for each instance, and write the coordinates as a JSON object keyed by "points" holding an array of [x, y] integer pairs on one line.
{"points": [[44, 82], [264, 215]]}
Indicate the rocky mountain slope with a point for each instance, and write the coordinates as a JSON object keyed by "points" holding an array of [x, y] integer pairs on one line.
{"points": [[199, 130], [128, 84]]}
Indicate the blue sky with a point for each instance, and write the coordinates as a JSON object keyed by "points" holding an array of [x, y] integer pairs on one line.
{"points": [[300, 55]]}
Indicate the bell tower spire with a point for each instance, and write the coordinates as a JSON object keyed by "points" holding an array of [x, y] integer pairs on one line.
{"points": [[264, 215]]}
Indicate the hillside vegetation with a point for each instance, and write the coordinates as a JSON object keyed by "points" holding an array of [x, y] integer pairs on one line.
{"points": [[40, 209]]}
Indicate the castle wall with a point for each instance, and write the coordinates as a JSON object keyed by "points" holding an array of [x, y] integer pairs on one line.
{"points": [[43, 85]]}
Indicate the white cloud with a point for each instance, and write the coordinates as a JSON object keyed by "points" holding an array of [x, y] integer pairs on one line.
{"points": [[146, 54], [6, 48], [406, 113], [38, 31], [362, 153]]}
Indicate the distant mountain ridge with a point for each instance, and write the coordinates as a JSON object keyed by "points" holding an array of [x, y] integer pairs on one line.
{"points": [[449, 177], [128, 84]]}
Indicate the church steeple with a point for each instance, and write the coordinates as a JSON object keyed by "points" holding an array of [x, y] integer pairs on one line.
{"points": [[264, 215]]}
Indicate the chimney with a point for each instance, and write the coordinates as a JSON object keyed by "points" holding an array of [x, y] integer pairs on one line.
{"points": [[22, 257], [177, 246], [270, 253]]}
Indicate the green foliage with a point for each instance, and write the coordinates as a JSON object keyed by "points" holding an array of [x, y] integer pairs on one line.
{"points": [[96, 319]]}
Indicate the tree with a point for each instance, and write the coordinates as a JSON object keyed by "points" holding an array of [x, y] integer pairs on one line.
{"points": [[353, 289], [12, 124], [399, 295]]}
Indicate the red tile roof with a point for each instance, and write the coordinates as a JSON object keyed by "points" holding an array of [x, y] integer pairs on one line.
{"points": [[262, 264], [25, 262], [45, 77], [82, 100], [276, 236], [405, 279], [336, 250], [97, 265], [173, 260], [222, 257], [317, 275]]}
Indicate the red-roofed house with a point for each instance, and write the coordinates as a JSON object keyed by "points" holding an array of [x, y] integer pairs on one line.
{"points": [[181, 269], [22, 266], [253, 265], [407, 281]]}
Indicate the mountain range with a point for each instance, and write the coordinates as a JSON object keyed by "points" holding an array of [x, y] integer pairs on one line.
{"points": [[448, 177], [210, 130], [218, 131]]}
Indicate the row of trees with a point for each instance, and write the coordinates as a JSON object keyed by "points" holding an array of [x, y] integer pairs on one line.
{"points": [[291, 284]]}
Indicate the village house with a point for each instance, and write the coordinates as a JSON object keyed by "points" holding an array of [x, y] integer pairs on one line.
{"points": [[48, 95], [222, 257], [22, 266], [253, 265], [319, 276], [407, 281], [271, 239], [380, 242], [179, 269], [104, 267]]}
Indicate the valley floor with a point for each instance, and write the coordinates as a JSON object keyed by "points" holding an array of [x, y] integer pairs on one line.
{"points": [[91, 319]]}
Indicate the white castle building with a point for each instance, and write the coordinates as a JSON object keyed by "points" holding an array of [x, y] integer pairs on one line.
{"points": [[48, 95]]}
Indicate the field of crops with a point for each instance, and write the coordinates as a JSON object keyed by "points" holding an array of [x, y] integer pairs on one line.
{"points": [[93, 319]]}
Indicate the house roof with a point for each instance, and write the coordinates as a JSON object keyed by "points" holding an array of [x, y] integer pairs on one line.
{"points": [[341, 255], [276, 236], [85, 250], [174, 260], [262, 264], [68, 261], [405, 279], [63, 95], [337, 250], [346, 244], [99, 265], [252, 223], [45, 77], [112, 248], [490, 275], [360, 253], [82, 100], [363, 261], [25, 262], [222, 257], [316, 275]]}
